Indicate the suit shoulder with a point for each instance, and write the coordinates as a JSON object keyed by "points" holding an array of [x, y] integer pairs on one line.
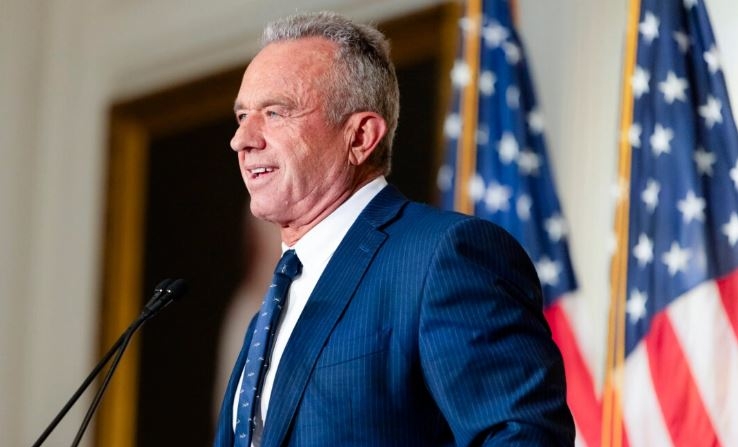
{"points": [[393, 213], [443, 221]]}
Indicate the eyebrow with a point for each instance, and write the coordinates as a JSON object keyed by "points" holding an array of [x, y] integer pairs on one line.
{"points": [[284, 102]]}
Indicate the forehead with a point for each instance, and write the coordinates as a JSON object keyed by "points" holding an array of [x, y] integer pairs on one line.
{"points": [[298, 50], [292, 66]]}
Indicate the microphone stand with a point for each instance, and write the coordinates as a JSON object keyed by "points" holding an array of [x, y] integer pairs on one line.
{"points": [[79, 391], [98, 396], [164, 293]]}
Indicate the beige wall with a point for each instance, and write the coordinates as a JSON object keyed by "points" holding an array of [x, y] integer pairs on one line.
{"points": [[63, 61]]}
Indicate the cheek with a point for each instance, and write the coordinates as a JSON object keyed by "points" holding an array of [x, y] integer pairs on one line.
{"points": [[314, 156]]}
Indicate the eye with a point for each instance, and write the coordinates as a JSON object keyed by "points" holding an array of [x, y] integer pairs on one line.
{"points": [[240, 117], [271, 114]]}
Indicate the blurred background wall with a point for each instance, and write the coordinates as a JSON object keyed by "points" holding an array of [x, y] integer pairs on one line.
{"points": [[63, 63]]}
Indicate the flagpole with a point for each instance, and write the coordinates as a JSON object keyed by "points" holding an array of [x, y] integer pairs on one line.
{"points": [[612, 424], [466, 150]]}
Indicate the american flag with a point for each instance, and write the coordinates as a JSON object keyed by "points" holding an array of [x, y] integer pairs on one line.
{"points": [[675, 321], [497, 168]]}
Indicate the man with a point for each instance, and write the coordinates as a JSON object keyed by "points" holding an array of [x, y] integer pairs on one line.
{"points": [[406, 325]]}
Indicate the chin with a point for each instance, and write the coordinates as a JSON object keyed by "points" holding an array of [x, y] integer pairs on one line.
{"points": [[258, 211], [263, 213]]}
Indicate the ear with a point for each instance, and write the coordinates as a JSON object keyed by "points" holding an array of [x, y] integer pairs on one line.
{"points": [[365, 131]]}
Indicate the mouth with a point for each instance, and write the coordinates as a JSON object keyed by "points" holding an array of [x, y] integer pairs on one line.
{"points": [[259, 171]]}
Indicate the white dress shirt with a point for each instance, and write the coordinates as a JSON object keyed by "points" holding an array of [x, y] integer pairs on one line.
{"points": [[314, 250]]}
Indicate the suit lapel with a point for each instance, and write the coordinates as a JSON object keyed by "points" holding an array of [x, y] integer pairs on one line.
{"points": [[326, 304]]}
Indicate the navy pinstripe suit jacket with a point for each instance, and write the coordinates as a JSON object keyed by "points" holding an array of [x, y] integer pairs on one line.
{"points": [[426, 329]]}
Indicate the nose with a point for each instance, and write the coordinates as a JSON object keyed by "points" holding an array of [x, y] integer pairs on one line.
{"points": [[249, 135]]}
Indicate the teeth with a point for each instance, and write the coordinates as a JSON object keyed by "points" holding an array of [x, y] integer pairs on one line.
{"points": [[258, 171]]}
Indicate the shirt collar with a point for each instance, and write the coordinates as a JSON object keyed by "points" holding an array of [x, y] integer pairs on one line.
{"points": [[318, 244]]}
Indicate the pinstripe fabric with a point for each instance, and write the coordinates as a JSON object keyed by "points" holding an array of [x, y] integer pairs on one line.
{"points": [[425, 329]]}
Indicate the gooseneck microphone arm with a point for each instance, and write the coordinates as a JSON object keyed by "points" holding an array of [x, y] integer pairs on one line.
{"points": [[79, 391], [174, 290], [165, 293]]}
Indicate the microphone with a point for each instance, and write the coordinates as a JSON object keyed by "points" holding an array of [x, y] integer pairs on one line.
{"points": [[166, 292]]}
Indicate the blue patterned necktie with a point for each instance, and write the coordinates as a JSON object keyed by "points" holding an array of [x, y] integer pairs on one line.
{"points": [[260, 349]]}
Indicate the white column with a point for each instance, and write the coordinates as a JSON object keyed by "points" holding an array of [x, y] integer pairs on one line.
{"points": [[20, 54], [66, 186]]}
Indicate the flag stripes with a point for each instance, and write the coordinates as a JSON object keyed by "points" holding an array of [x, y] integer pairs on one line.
{"points": [[682, 409], [729, 294], [675, 316], [705, 333], [580, 391]]}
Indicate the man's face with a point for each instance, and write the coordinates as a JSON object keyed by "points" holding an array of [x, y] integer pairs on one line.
{"points": [[294, 163]]}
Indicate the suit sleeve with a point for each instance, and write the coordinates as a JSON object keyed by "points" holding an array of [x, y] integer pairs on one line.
{"points": [[486, 350]]}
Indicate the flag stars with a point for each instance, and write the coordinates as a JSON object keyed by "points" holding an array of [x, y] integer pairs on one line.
{"points": [[636, 306], [529, 162], [683, 41], [482, 135], [639, 81], [643, 251], [620, 189], [676, 259], [445, 178], [513, 97], [508, 148], [704, 161], [692, 208], [712, 59], [535, 121], [487, 82], [523, 206], [466, 24], [634, 135], [494, 34], [548, 271], [476, 187], [452, 126], [512, 53], [711, 111], [673, 88], [460, 74], [661, 140], [730, 229], [734, 175], [650, 195], [690, 3], [555, 227], [497, 198], [649, 27]]}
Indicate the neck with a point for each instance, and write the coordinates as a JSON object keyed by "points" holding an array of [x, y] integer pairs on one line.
{"points": [[292, 233]]}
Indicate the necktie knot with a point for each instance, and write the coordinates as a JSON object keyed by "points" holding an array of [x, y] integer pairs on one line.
{"points": [[289, 265]]}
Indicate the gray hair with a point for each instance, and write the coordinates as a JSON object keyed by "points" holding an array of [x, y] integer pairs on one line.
{"points": [[363, 78]]}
